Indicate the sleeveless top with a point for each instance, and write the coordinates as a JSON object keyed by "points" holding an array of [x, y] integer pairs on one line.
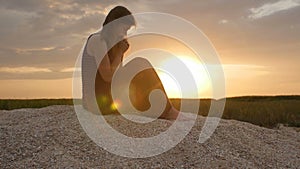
{"points": [[95, 91]]}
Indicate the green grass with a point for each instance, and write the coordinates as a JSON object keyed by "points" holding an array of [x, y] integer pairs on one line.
{"points": [[267, 111], [10, 104]]}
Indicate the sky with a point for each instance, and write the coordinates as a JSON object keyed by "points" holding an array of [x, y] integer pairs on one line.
{"points": [[258, 42]]}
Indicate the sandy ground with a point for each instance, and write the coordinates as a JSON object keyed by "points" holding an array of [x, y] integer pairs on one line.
{"points": [[52, 137]]}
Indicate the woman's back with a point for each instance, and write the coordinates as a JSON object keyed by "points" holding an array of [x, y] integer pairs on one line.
{"points": [[93, 85]]}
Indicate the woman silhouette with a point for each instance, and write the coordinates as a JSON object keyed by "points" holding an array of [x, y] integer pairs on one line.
{"points": [[141, 85]]}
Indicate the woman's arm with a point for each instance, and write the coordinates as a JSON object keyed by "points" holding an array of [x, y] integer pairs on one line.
{"points": [[117, 52], [97, 48]]}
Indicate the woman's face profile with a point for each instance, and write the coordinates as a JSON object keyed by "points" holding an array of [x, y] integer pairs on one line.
{"points": [[121, 30]]}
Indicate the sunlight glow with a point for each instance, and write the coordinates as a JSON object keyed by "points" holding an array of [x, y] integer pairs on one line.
{"points": [[198, 72]]}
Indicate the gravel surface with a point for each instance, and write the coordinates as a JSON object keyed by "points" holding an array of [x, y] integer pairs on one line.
{"points": [[51, 137]]}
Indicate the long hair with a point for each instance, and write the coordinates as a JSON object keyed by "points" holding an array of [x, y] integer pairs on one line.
{"points": [[124, 16], [119, 12]]}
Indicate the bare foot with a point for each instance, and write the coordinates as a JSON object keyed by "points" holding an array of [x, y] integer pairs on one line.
{"points": [[173, 114], [170, 115]]}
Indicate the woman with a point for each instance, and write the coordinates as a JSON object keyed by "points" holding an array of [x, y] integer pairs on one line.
{"points": [[141, 85]]}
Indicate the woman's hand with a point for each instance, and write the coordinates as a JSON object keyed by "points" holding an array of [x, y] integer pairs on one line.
{"points": [[117, 52], [123, 45]]}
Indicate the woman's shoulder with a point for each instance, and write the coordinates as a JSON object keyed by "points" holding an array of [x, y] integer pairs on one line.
{"points": [[96, 38], [95, 42]]}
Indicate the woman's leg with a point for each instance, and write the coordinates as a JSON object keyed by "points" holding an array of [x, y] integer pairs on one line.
{"points": [[142, 85], [103, 96]]}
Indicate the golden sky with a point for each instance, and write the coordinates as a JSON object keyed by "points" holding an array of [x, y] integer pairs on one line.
{"points": [[258, 43]]}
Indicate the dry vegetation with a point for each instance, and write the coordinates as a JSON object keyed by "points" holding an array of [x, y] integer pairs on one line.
{"points": [[259, 110]]}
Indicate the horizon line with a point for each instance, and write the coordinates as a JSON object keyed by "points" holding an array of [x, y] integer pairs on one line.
{"points": [[238, 96]]}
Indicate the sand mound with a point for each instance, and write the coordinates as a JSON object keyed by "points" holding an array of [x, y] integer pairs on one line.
{"points": [[52, 137]]}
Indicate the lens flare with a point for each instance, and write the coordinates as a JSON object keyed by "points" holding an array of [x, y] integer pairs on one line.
{"points": [[116, 105]]}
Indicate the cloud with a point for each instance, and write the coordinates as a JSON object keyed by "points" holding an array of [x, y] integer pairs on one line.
{"points": [[30, 72], [244, 71], [223, 21], [27, 72], [23, 70], [70, 69], [29, 51], [272, 8], [36, 24]]}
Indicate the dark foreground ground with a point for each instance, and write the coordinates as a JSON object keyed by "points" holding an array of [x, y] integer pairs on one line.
{"points": [[51, 137]]}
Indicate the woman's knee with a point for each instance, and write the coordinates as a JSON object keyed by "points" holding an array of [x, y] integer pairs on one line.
{"points": [[141, 62]]}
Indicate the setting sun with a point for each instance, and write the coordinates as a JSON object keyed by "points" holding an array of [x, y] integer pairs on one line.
{"points": [[199, 74]]}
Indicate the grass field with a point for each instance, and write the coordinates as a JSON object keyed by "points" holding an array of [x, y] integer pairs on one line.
{"points": [[267, 111]]}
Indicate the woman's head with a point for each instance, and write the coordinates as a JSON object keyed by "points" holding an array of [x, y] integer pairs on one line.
{"points": [[123, 24]]}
